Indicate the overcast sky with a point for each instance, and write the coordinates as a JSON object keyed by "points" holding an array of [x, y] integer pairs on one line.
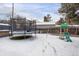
{"points": [[31, 10]]}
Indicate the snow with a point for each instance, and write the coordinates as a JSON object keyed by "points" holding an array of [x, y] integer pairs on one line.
{"points": [[45, 23], [4, 30], [21, 32], [77, 26], [4, 24], [41, 45]]}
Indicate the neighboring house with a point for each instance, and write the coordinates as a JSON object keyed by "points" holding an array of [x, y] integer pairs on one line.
{"points": [[49, 27], [45, 27], [4, 26], [4, 29]]}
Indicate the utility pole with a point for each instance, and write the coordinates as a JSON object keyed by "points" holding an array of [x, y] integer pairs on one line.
{"points": [[12, 18]]}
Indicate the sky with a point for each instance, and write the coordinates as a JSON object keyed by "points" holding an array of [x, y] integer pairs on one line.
{"points": [[31, 10]]}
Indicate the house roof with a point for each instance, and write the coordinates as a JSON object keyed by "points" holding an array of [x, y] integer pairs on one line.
{"points": [[3, 30], [45, 23], [69, 26], [4, 24]]}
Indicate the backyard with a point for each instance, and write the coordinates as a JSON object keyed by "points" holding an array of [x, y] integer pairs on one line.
{"points": [[39, 29], [41, 45]]}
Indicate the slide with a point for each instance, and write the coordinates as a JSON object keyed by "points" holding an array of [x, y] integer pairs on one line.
{"points": [[67, 36]]}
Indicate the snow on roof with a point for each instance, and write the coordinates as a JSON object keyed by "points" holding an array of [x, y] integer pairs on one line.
{"points": [[73, 25], [69, 26], [45, 23], [4, 24], [4, 30]]}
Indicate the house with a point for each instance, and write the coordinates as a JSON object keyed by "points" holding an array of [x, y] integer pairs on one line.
{"points": [[4, 26], [4, 29], [45, 27], [49, 27]]}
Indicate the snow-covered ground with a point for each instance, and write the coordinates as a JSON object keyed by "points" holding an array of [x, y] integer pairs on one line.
{"points": [[42, 45]]}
